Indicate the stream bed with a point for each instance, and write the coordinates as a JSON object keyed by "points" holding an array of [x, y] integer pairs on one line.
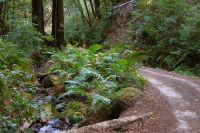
{"points": [[52, 121]]}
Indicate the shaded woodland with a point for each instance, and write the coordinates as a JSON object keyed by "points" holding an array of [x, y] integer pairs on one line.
{"points": [[83, 55]]}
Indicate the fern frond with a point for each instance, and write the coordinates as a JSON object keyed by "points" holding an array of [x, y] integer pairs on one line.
{"points": [[74, 91], [59, 106], [90, 72], [94, 48], [98, 100]]}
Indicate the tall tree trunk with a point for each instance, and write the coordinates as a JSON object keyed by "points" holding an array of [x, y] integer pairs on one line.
{"points": [[90, 22], [1, 17], [58, 23], [78, 5], [97, 8], [93, 10], [3, 28], [37, 15], [1, 13]]}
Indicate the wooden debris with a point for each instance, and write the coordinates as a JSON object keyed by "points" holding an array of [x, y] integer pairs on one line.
{"points": [[111, 124]]}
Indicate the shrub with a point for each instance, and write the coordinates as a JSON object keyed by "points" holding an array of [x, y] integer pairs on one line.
{"points": [[24, 37]]}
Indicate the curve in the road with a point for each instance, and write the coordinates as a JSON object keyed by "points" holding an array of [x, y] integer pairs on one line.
{"points": [[183, 94]]}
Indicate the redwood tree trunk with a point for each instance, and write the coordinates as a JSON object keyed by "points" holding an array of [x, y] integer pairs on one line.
{"points": [[37, 15], [1, 17], [1, 13], [58, 23], [97, 8]]}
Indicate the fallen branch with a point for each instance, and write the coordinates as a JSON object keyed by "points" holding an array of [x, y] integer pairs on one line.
{"points": [[111, 124]]}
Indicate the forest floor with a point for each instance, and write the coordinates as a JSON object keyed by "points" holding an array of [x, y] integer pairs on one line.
{"points": [[174, 99]]}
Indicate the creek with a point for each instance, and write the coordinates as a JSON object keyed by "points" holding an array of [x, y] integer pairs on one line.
{"points": [[53, 122]]}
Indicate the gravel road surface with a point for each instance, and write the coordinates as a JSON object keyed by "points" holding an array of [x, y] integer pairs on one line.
{"points": [[180, 97]]}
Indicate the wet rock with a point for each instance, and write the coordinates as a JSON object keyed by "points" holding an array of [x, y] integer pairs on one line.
{"points": [[50, 98], [53, 98], [36, 127], [48, 129], [39, 125], [75, 125], [58, 124], [51, 81], [47, 82], [66, 120], [65, 126]]}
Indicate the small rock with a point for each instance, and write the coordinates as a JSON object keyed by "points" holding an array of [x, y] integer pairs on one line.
{"points": [[34, 129], [65, 120], [65, 126], [47, 82], [58, 124], [39, 125], [50, 98], [53, 98]]}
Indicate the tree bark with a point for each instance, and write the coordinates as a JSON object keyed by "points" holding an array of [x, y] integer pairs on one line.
{"points": [[97, 8], [92, 7], [3, 10], [1, 14], [58, 23], [112, 124], [37, 15], [90, 22]]}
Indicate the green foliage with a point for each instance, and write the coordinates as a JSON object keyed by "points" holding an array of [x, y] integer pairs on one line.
{"points": [[25, 37], [168, 30], [15, 79], [10, 57], [79, 29], [97, 75]]}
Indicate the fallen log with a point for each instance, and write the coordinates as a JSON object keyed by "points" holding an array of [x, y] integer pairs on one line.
{"points": [[111, 124]]}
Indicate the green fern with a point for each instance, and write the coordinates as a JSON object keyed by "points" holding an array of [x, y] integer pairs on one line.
{"points": [[73, 91], [93, 48], [98, 100], [10, 56], [97, 76]]}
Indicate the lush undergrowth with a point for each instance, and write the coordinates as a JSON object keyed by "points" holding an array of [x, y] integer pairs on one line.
{"points": [[168, 30], [15, 80], [99, 75]]}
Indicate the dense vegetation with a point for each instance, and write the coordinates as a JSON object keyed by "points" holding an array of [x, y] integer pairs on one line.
{"points": [[15, 80], [168, 31], [95, 77]]}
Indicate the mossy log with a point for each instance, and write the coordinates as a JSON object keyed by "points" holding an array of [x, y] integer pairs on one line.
{"points": [[114, 124]]}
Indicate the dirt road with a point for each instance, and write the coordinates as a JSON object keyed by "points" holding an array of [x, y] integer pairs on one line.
{"points": [[178, 98]]}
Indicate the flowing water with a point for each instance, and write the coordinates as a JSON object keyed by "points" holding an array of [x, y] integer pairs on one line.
{"points": [[52, 115]]}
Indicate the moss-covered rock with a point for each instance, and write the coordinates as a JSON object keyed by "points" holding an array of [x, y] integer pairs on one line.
{"points": [[76, 118]]}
